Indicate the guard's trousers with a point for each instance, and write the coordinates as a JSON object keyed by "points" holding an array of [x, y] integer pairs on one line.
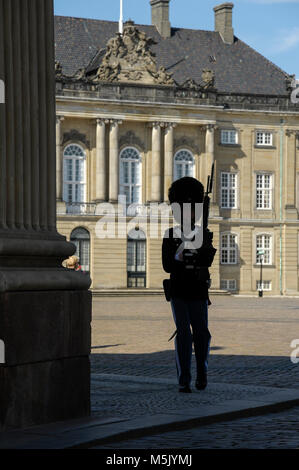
{"points": [[192, 313]]}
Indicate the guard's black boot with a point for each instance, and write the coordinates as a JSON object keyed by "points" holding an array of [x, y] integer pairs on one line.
{"points": [[201, 381]]}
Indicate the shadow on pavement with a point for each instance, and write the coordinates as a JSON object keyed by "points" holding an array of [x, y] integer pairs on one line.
{"points": [[271, 371]]}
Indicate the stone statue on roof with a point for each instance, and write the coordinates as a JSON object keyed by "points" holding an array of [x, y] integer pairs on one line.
{"points": [[128, 58], [208, 78]]}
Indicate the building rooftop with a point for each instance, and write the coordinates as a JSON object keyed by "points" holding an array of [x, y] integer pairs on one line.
{"points": [[186, 53]]}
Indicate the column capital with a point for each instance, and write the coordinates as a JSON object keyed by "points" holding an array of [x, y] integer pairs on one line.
{"points": [[156, 124], [294, 132], [209, 127], [100, 120], [170, 125], [115, 122]]}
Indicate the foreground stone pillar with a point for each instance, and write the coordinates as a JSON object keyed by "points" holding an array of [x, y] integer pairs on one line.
{"points": [[45, 309], [156, 163]]}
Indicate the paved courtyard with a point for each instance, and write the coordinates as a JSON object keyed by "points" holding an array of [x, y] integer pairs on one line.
{"points": [[251, 339], [250, 345]]}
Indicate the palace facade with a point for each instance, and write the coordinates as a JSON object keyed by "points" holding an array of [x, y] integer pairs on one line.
{"points": [[137, 110]]}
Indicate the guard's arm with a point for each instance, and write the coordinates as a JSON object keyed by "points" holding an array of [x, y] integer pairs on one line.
{"points": [[170, 264]]}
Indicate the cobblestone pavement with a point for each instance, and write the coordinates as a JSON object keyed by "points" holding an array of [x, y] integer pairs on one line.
{"points": [[250, 346], [272, 431], [119, 396]]}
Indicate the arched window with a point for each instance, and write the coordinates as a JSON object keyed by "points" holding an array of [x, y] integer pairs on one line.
{"points": [[136, 258], [74, 174], [81, 238], [130, 175], [183, 164]]}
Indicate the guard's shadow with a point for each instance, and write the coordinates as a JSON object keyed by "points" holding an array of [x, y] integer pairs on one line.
{"points": [[271, 371]]}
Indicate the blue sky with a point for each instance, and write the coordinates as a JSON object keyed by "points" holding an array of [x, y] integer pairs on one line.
{"points": [[269, 26]]}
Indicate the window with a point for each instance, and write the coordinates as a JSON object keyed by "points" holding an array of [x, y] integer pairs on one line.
{"points": [[263, 138], [130, 175], [229, 137], [183, 164], [229, 248], [81, 239], [264, 244], [263, 191], [74, 172], [228, 190], [264, 285], [136, 258], [228, 284]]}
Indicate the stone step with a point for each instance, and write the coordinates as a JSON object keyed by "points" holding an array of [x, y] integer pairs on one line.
{"points": [[141, 292]]}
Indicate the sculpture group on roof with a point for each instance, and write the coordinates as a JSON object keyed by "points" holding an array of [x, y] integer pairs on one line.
{"points": [[128, 58]]}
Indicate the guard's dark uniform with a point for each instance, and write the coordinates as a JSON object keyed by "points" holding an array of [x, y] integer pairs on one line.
{"points": [[189, 302]]}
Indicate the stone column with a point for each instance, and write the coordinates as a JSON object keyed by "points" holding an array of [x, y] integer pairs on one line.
{"points": [[156, 162], [100, 194], [113, 161], [210, 159], [45, 309], [59, 159], [168, 158]]}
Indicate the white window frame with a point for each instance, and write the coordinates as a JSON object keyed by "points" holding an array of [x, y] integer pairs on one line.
{"points": [[229, 249], [263, 285], [228, 190], [229, 137], [184, 164], [262, 192], [225, 284], [73, 182], [264, 138], [130, 185], [269, 258]]}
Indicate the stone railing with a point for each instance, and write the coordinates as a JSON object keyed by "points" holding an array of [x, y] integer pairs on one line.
{"points": [[81, 208]]}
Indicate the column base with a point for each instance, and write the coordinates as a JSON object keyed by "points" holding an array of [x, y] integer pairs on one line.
{"points": [[41, 279], [46, 374], [46, 392]]}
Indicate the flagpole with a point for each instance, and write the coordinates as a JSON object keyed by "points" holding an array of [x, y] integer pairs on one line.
{"points": [[121, 19]]}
